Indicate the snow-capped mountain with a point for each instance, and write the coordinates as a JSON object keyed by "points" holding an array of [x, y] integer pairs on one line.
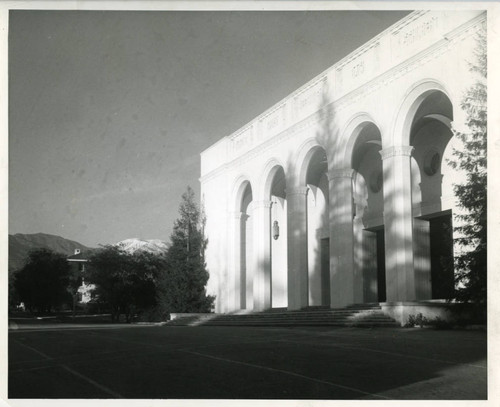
{"points": [[133, 245]]}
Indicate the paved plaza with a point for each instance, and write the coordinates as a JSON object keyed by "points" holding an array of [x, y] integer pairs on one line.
{"points": [[162, 362]]}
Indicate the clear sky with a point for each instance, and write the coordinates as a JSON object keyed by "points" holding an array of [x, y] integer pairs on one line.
{"points": [[109, 111]]}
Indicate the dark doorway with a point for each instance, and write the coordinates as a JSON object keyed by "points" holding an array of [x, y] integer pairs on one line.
{"points": [[441, 241], [325, 272], [381, 265]]}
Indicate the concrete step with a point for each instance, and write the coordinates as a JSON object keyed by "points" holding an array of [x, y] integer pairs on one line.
{"points": [[380, 323], [332, 324], [363, 315], [303, 318]]}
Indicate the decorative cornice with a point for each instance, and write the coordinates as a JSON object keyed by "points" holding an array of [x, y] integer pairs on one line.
{"points": [[396, 28], [396, 151], [214, 173], [240, 131]]}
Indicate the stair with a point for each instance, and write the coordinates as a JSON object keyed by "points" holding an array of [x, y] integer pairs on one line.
{"points": [[362, 315]]}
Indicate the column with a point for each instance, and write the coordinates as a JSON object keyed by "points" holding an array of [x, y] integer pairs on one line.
{"points": [[341, 238], [262, 255], [297, 247], [398, 219]]}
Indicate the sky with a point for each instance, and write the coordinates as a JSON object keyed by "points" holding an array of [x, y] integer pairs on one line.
{"points": [[110, 110]]}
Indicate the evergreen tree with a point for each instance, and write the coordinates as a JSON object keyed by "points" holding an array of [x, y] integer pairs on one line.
{"points": [[182, 288], [470, 263]]}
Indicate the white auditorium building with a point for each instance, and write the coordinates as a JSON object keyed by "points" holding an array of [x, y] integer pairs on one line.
{"points": [[341, 194]]}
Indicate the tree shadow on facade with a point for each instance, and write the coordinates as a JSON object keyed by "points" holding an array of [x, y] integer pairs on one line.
{"points": [[310, 227], [326, 255]]}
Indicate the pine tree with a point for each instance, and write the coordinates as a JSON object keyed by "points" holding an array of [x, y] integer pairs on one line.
{"points": [[470, 263], [182, 288]]}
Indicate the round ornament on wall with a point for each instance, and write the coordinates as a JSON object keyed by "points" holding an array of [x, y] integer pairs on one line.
{"points": [[432, 162]]}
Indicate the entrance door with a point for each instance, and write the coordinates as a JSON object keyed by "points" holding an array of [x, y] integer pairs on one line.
{"points": [[442, 273]]}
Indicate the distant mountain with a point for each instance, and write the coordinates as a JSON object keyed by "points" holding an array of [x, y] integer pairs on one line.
{"points": [[152, 246], [21, 244]]}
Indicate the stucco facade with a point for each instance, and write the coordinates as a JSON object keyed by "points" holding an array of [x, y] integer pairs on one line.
{"points": [[351, 168]]}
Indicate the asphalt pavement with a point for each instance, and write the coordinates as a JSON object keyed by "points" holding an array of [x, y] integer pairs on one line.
{"points": [[164, 362]]}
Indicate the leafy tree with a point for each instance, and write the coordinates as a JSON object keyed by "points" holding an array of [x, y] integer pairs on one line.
{"points": [[42, 283], [182, 287], [470, 264], [124, 281]]}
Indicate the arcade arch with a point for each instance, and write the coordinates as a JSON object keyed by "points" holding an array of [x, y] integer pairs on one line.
{"points": [[368, 205], [430, 136], [318, 227]]}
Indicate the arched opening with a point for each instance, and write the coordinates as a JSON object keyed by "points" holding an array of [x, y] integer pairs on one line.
{"points": [[246, 249], [430, 136], [368, 222], [318, 229], [278, 232]]}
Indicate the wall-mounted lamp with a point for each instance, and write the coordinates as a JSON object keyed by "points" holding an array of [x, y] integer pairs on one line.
{"points": [[276, 230]]}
